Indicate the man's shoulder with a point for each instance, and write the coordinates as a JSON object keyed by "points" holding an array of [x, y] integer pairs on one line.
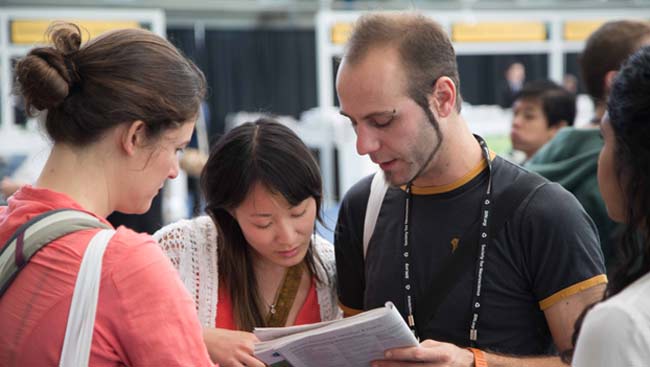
{"points": [[545, 203], [543, 196], [359, 193], [352, 213], [505, 172]]}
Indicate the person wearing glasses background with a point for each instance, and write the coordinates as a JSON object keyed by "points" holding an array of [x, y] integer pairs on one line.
{"points": [[473, 250]]}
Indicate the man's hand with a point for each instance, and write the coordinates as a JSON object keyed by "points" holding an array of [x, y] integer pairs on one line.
{"points": [[436, 354], [231, 348], [429, 353]]}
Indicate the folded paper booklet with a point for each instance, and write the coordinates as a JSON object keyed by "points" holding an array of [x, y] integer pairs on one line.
{"points": [[353, 341]]}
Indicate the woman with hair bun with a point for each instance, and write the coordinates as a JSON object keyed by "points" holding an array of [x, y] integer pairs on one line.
{"points": [[616, 332], [118, 110]]}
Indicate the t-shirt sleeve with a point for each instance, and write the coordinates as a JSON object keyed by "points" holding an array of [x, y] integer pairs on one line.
{"points": [[609, 337], [157, 323], [561, 245], [348, 247]]}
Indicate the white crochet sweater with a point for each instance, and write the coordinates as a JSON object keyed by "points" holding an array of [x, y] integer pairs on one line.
{"points": [[191, 245]]}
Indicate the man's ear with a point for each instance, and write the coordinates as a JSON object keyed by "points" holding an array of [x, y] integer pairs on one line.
{"points": [[133, 137], [442, 100]]}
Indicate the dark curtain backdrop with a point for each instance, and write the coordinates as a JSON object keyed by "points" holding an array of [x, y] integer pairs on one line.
{"points": [[275, 70], [481, 75], [572, 67], [185, 40], [253, 70]]}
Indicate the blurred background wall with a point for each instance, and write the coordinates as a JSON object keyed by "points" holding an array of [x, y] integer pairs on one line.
{"points": [[280, 57]]}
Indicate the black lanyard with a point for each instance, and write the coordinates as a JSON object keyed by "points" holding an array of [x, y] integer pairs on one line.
{"points": [[484, 239], [407, 278]]}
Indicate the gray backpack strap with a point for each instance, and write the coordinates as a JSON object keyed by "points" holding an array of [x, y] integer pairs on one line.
{"points": [[35, 234], [378, 189]]}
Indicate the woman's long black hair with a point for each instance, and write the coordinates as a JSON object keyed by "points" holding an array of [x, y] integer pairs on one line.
{"points": [[629, 115], [270, 153]]}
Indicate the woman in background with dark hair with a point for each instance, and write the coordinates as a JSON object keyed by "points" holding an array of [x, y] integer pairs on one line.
{"points": [[616, 332], [255, 261], [119, 108]]}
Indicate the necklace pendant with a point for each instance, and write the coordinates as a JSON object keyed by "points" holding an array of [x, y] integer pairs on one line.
{"points": [[272, 309]]}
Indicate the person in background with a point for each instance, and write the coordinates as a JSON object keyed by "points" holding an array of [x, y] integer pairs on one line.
{"points": [[22, 170], [193, 161], [571, 157], [616, 331], [255, 261], [119, 109], [570, 83], [514, 78], [474, 251], [540, 110], [194, 158]]}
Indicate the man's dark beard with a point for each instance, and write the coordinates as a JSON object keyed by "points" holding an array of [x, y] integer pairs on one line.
{"points": [[436, 127]]}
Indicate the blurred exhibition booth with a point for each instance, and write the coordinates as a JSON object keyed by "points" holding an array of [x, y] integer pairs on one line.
{"points": [[280, 57]]}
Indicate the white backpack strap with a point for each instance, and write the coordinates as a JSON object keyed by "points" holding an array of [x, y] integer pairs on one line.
{"points": [[81, 318], [378, 189]]}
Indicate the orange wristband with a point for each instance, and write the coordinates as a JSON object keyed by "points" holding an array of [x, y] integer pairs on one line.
{"points": [[479, 357]]}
